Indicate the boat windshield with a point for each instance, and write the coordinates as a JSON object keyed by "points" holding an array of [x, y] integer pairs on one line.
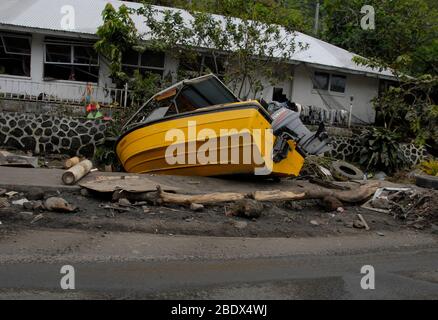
{"points": [[185, 96], [205, 93]]}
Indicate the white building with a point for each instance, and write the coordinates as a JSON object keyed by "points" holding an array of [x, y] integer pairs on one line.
{"points": [[46, 53]]}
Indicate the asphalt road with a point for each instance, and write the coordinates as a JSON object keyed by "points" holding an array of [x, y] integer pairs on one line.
{"points": [[143, 266]]}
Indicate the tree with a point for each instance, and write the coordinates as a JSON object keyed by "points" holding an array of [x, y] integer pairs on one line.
{"points": [[251, 47], [405, 35], [293, 14], [117, 35]]}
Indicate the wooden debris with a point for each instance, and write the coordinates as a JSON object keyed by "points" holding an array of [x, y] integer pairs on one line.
{"points": [[77, 172], [218, 197], [71, 162], [363, 221], [8, 159], [277, 195], [360, 194], [10, 194], [129, 183], [4, 203], [37, 218], [327, 184]]}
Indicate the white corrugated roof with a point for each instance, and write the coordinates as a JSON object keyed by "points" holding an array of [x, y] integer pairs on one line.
{"points": [[47, 15]]}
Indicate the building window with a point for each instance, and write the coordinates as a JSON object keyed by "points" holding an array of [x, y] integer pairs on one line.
{"points": [[337, 83], [321, 81], [15, 52], [74, 62], [329, 82], [146, 62], [203, 64]]}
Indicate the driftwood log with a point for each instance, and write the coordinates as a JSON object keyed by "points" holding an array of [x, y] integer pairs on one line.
{"points": [[360, 194], [208, 198], [77, 172], [350, 196], [71, 162]]}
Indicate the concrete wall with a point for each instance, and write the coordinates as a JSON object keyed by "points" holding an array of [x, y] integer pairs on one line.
{"points": [[362, 88]]}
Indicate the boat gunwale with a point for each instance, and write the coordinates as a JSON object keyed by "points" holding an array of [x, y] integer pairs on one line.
{"points": [[253, 104]]}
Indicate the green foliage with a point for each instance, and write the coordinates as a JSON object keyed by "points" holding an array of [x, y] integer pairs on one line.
{"points": [[105, 156], [411, 109], [405, 36], [117, 35], [249, 45], [381, 151], [119, 118], [430, 167], [143, 86], [295, 15]]}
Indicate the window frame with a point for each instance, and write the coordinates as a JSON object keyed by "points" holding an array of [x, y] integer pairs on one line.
{"points": [[20, 36], [345, 83], [72, 45], [141, 67], [328, 80], [202, 65], [328, 90], [72, 57]]}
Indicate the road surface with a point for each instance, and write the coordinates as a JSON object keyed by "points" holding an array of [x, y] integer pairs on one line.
{"points": [[142, 266]]}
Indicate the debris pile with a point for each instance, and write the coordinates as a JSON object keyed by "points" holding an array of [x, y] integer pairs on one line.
{"points": [[418, 208], [328, 169], [31, 205]]}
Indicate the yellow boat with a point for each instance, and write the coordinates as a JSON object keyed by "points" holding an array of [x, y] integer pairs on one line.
{"points": [[199, 128]]}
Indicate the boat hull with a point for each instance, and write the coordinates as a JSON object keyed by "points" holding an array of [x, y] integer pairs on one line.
{"points": [[225, 140]]}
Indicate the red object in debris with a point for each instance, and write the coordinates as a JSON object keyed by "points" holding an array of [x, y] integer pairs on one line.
{"points": [[91, 107]]}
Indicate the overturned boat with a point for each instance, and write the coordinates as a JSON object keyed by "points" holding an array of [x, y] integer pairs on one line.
{"points": [[199, 127]]}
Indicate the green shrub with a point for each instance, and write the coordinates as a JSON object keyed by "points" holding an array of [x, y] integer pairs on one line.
{"points": [[381, 151]]}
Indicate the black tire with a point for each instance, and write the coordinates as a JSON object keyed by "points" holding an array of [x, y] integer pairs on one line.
{"points": [[427, 181], [342, 170]]}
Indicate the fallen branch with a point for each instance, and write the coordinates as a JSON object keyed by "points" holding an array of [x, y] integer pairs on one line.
{"points": [[277, 195], [208, 198], [367, 227], [351, 196]]}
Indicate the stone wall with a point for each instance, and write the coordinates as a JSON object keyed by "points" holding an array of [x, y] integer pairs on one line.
{"points": [[348, 149], [51, 134]]}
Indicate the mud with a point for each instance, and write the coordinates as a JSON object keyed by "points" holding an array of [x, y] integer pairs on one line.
{"points": [[291, 219]]}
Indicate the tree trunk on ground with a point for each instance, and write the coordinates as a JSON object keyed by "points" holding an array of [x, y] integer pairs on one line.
{"points": [[360, 194], [76, 173]]}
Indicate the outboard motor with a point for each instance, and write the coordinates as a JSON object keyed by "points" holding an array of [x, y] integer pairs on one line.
{"points": [[287, 125]]}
